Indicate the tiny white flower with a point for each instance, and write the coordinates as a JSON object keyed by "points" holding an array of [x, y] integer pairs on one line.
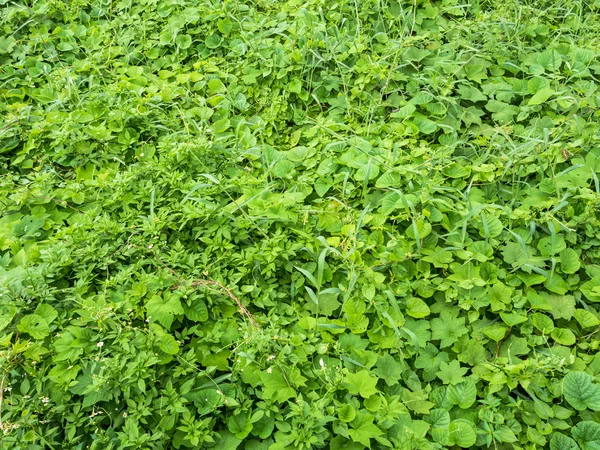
{"points": [[100, 344], [269, 370], [150, 246], [141, 154], [219, 392], [124, 414], [45, 400], [322, 363]]}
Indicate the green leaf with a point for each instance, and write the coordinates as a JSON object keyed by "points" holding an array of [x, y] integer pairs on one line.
{"points": [[580, 391], [6, 316], [225, 26], [563, 336], [462, 433], [551, 245], [47, 312], [168, 344], [363, 429], [417, 308], [448, 328], [276, 386], [183, 41], [389, 369], [504, 434], [541, 96], [561, 442], [569, 261], [587, 434], [586, 319], [462, 394], [226, 441], [562, 306], [346, 413], [425, 125], [543, 323], [404, 112], [163, 309], [451, 373], [34, 325], [361, 383], [439, 418]]}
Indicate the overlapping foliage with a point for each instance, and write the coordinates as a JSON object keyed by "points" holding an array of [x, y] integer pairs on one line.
{"points": [[299, 224]]}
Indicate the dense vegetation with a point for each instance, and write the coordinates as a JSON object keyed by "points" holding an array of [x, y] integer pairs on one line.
{"points": [[299, 224]]}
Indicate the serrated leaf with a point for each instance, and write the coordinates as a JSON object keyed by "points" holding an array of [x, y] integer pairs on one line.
{"points": [[163, 309], [34, 325], [363, 429], [361, 383]]}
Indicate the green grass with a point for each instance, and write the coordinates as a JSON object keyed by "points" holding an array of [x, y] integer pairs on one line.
{"points": [[299, 224]]}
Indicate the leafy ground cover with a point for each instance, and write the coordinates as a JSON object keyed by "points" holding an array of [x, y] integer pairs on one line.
{"points": [[299, 224]]}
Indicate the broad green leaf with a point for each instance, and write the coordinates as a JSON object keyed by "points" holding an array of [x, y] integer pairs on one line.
{"points": [[587, 434], [439, 418], [448, 328], [541, 96], [6, 316], [562, 306], [561, 442], [346, 413], [451, 373], [563, 336], [417, 308], [389, 369], [462, 394], [462, 433], [360, 383], [543, 323], [569, 261], [404, 112], [164, 308], [168, 344], [586, 319], [581, 392], [34, 325], [363, 429], [504, 434]]}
